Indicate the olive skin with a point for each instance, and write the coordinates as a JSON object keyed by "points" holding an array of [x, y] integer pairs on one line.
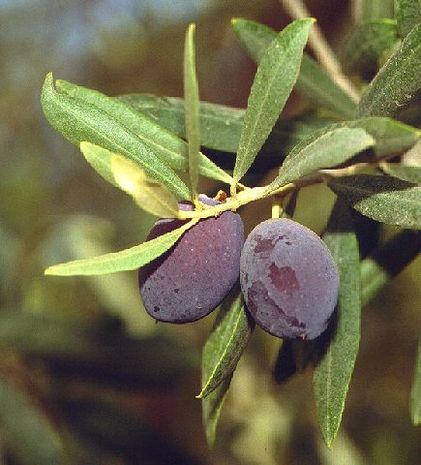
{"points": [[192, 277], [289, 279]]}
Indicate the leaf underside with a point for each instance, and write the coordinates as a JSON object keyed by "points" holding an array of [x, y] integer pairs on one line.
{"points": [[383, 198]]}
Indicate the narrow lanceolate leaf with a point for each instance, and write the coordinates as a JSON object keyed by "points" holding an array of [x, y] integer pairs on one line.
{"points": [[80, 121], [332, 375], [128, 259], [415, 406], [191, 103], [329, 150], [169, 147], [211, 409], [390, 136], [149, 194], [313, 81], [368, 43], [383, 198], [26, 431], [397, 82], [408, 15], [404, 172], [274, 80], [225, 345], [387, 261]]}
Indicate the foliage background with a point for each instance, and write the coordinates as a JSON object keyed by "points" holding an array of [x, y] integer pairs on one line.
{"points": [[54, 208]]}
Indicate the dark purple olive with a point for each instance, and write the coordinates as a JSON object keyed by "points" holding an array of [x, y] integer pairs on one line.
{"points": [[191, 279], [289, 279]]}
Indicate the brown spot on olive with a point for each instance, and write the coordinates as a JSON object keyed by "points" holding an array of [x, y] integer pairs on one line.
{"points": [[283, 278]]}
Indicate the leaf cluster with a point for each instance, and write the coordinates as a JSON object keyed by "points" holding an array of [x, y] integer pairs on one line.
{"points": [[146, 145]]}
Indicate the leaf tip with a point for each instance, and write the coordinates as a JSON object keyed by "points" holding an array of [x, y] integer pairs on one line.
{"points": [[48, 84], [49, 271], [328, 437], [204, 392], [329, 443], [49, 77]]}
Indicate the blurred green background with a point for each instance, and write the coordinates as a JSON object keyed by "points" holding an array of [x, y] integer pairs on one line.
{"points": [[85, 376]]}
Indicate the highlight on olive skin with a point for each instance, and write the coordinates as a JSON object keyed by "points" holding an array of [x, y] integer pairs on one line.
{"points": [[289, 279], [192, 278]]}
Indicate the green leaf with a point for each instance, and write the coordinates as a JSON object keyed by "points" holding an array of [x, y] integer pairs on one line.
{"points": [[26, 431], [406, 173], [387, 261], [412, 157], [225, 344], [274, 80], [397, 82], [415, 405], [80, 121], [382, 198], [332, 375], [170, 148], [390, 136], [367, 45], [313, 81], [211, 409], [100, 159], [191, 102], [149, 194], [376, 9], [330, 149], [408, 15], [316, 84], [220, 126], [128, 259]]}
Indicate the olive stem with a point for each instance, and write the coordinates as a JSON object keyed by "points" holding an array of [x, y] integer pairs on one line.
{"points": [[276, 207], [251, 194]]}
